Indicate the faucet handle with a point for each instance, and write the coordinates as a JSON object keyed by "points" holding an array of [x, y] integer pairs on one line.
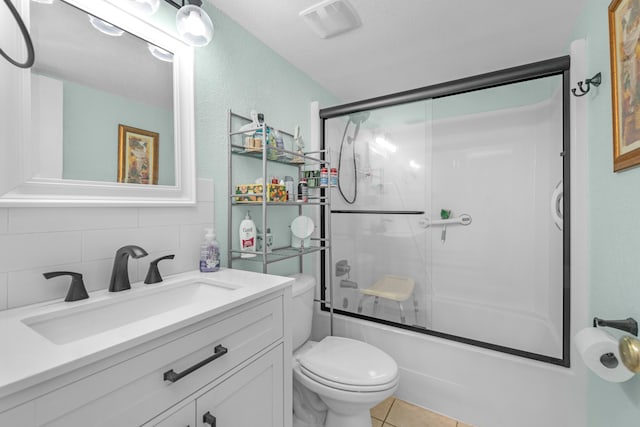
{"points": [[77, 291], [153, 275]]}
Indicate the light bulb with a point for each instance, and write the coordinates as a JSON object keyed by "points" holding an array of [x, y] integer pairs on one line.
{"points": [[159, 53], [105, 27], [145, 7], [194, 25]]}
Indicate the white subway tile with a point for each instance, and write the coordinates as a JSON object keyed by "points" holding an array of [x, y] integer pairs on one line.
{"points": [[30, 287], [155, 239], [4, 215], [103, 244], [166, 267], [30, 220], [24, 251], [3, 291], [188, 255], [96, 274], [204, 190], [201, 212]]}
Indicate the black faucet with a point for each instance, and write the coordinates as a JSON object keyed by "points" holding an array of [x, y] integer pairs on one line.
{"points": [[153, 274], [77, 291], [120, 273]]}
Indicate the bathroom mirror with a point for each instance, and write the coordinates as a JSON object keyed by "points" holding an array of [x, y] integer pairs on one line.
{"points": [[102, 118]]}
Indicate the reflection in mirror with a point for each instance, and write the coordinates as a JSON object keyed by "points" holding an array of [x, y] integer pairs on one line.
{"points": [[86, 83]]}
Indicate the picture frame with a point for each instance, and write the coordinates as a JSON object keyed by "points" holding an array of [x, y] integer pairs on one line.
{"points": [[624, 48], [137, 155]]}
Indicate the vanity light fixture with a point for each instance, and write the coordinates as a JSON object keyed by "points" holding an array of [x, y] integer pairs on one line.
{"points": [[43, 1], [105, 27], [193, 23], [160, 53]]}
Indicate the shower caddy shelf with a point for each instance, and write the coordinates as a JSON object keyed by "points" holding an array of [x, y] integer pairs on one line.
{"points": [[322, 200]]}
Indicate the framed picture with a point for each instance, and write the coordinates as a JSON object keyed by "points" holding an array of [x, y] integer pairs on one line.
{"points": [[137, 155], [624, 31]]}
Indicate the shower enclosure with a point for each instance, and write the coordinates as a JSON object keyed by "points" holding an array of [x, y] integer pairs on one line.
{"points": [[448, 214]]}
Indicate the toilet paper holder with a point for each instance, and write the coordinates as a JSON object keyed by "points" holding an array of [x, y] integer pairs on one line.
{"points": [[628, 325]]}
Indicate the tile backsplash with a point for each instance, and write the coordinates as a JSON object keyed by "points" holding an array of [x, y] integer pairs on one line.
{"points": [[36, 240]]}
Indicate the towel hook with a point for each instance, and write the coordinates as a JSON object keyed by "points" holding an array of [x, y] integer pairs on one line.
{"points": [[595, 80]]}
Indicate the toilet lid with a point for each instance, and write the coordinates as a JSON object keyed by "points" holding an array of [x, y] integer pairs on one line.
{"points": [[351, 362]]}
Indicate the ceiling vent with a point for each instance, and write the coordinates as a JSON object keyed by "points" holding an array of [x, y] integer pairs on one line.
{"points": [[331, 17]]}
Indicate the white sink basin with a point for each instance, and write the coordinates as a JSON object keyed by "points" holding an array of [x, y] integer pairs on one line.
{"points": [[122, 309]]}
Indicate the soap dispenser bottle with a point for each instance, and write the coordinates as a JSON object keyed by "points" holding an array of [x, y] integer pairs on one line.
{"points": [[209, 252], [247, 237]]}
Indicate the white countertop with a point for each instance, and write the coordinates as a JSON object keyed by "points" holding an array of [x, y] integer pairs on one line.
{"points": [[28, 358]]}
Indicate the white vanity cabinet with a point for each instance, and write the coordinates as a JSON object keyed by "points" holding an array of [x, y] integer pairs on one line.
{"points": [[252, 396], [185, 416], [232, 366]]}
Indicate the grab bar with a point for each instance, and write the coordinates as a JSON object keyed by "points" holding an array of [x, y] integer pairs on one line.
{"points": [[462, 219]]}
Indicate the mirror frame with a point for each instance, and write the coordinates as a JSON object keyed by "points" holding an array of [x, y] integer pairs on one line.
{"points": [[33, 191]]}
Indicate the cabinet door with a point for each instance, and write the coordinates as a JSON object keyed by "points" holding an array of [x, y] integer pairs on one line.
{"points": [[183, 417], [251, 397], [23, 416]]}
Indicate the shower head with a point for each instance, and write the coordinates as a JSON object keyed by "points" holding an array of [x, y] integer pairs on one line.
{"points": [[360, 117]]}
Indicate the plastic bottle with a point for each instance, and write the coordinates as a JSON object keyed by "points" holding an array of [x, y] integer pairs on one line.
{"points": [[209, 252], [333, 177], [272, 152], [324, 177], [303, 190], [279, 144], [269, 245], [247, 237]]}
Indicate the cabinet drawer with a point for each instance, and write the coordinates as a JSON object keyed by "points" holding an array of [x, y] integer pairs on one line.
{"points": [[22, 416], [132, 392]]}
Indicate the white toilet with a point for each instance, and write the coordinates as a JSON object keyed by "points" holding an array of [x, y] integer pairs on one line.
{"points": [[349, 376]]}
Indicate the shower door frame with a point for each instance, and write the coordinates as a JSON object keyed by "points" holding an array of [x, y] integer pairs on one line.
{"points": [[559, 66]]}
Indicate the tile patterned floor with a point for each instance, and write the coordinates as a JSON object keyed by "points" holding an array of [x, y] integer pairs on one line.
{"points": [[398, 413]]}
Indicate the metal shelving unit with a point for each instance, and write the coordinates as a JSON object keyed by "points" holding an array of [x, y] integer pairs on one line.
{"points": [[321, 200]]}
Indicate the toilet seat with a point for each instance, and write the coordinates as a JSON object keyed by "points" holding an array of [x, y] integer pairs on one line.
{"points": [[349, 365], [347, 387]]}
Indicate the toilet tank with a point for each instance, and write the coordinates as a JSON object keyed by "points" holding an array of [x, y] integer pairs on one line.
{"points": [[303, 291]]}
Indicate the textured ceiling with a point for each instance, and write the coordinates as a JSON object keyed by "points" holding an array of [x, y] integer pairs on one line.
{"points": [[404, 44]]}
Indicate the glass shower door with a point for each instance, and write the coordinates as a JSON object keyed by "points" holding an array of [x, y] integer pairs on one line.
{"points": [[379, 229]]}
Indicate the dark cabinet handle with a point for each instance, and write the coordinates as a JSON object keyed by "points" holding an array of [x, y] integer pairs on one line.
{"points": [[174, 376], [209, 419]]}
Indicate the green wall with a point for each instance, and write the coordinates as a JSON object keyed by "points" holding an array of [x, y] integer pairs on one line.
{"points": [[497, 98], [237, 71], [614, 234], [91, 135]]}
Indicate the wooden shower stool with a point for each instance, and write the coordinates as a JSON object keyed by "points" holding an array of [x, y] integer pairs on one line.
{"points": [[394, 288]]}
